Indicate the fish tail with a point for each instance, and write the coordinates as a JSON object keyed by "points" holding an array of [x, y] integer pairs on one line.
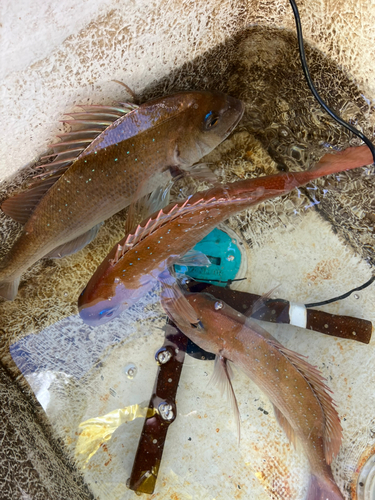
{"points": [[323, 489], [9, 282], [348, 159], [9, 289]]}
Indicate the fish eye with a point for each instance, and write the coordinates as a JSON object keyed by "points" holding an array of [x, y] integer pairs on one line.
{"points": [[107, 312], [210, 120]]}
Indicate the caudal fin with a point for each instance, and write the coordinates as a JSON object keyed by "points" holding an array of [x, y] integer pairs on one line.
{"points": [[344, 160], [323, 489], [9, 289]]}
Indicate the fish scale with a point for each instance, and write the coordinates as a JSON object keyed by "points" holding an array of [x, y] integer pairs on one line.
{"points": [[128, 160]]}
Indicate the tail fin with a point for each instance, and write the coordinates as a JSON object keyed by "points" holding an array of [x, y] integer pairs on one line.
{"points": [[323, 489], [9, 289], [348, 159]]}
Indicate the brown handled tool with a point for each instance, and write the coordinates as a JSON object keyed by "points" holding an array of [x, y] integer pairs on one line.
{"points": [[170, 358], [282, 311]]}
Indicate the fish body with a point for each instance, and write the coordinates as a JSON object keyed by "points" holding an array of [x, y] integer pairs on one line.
{"points": [[126, 161], [303, 406], [137, 261]]}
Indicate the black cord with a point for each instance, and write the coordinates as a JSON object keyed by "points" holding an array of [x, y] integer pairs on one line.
{"points": [[227, 282], [339, 120], [341, 297]]}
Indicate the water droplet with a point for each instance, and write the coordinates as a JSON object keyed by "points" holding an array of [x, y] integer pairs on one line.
{"points": [[218, 305], [154, 441], [130, 370], [356, 296], [166, 411], [162, 356]]}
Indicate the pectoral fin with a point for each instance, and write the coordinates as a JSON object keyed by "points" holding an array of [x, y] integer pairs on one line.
{"points": [[201, 172], [75, 245], [260, 302], [194, 258], [174, 302], [222, 377], [146, 205]]}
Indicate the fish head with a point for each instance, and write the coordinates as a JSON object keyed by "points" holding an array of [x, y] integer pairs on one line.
{"points": [[208, 119], [214, 314], [106, 297], [217, 321]]}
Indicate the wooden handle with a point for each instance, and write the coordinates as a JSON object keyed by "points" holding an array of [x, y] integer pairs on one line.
{"points": [[162, 412], [280, 311]]}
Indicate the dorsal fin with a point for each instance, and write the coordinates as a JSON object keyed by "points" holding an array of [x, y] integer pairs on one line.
{"points": [[22, 205], [91, 122], [165, 216], [154, 222], [332, 430], [86, 127]]}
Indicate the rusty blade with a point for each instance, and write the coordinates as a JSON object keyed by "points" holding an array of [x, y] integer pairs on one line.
{"points": [[170, 358]]}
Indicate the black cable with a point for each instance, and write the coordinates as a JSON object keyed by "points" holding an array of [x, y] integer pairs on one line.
{"points": [[339, 120], [228, 282], [341, 297]]}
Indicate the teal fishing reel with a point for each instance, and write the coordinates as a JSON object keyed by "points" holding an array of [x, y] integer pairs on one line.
{"points": [[224, 254]]}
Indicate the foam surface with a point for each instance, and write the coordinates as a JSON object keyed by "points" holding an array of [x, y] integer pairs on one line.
{"points": [[55, 57]]}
